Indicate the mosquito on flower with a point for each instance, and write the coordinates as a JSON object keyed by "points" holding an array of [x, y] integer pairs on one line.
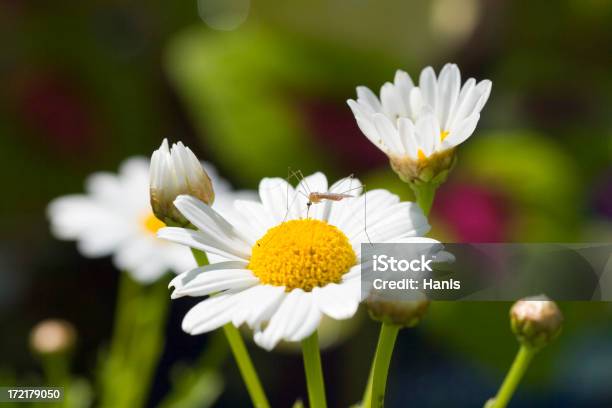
{"points": [[318, 197]]}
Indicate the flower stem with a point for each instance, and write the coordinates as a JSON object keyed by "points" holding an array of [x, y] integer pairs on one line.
{"points": [[514, 376], [241, 354], [314, 372], [137, 342], [249, 375], [377, 384], [201, 384], [425, 194]]}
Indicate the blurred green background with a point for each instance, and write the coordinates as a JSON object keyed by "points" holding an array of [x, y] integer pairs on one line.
{"points": [[258, 86]]}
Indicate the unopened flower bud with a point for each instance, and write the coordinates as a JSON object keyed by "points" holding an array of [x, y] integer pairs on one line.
{"points": [[424, 170], [536, 321], [52, 336], [400, 312], [175, 171]]}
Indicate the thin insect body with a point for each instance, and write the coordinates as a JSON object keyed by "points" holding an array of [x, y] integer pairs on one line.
{"points": [[315, 197]]}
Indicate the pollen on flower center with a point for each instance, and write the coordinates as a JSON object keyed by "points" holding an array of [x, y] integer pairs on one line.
{"points": [[302, 254], [151, 223]]}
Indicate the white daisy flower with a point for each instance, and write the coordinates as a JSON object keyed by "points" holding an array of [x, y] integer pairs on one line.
{"points": [[414, 125], [114, 217], [419, 121], [279, 270]]}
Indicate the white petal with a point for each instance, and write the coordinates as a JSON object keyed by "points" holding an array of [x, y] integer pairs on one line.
{"points": [[429, 86], [404, 86], [147, 271], [448, 92], [184, 278], [276, 195], [337, 300], [388, 133], [461, 132], [484, 88], [210, 314], [316, 182], [204, 242], [266, 306], [471, 100], [256, 215], [427, 133], [465, 102], [209, 222], [402, 219], [309, 323], [366, 96], [416, 103], [98, 229], [217, 281], [393, 104], [257, 304], [275, 330], [407, 136]]}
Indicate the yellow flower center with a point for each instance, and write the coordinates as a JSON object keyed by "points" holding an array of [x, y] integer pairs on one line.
{"points": [[443, 135], [151, 223], [302, 254]]}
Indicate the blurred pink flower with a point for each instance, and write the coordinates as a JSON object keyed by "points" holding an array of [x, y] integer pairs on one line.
{"points": [[472, 213]]}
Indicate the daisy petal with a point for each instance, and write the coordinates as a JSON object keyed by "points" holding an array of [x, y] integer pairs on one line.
{"points": [[217, 281], [448, 91], [275, 194], [388, 133], [462, 131], [266, 307], [271, 335], [309, 324], [336, 302], [429, 86], [184, 278], [427, 132], [367, 97], [209, 222], [407, 136], [256, 305], [210, 314], [204, 242]]}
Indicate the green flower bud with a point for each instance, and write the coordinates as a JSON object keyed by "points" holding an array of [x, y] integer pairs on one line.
{"points": [[536, 321], [404, 313]]}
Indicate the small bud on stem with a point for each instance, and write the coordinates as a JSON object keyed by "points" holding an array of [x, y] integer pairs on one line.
{"points": [[52, 336], [176, 171], [536, 321], [403, 313]]}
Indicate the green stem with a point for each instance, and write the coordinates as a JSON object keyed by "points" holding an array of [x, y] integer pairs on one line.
{"points": [[241, 354], [367, 395], [375, 391], [377, 381], [425, 194], [136, 344], [314, 372], [57, 374], [245, 365], [514, 376], [199, 385], [148, 337]]}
